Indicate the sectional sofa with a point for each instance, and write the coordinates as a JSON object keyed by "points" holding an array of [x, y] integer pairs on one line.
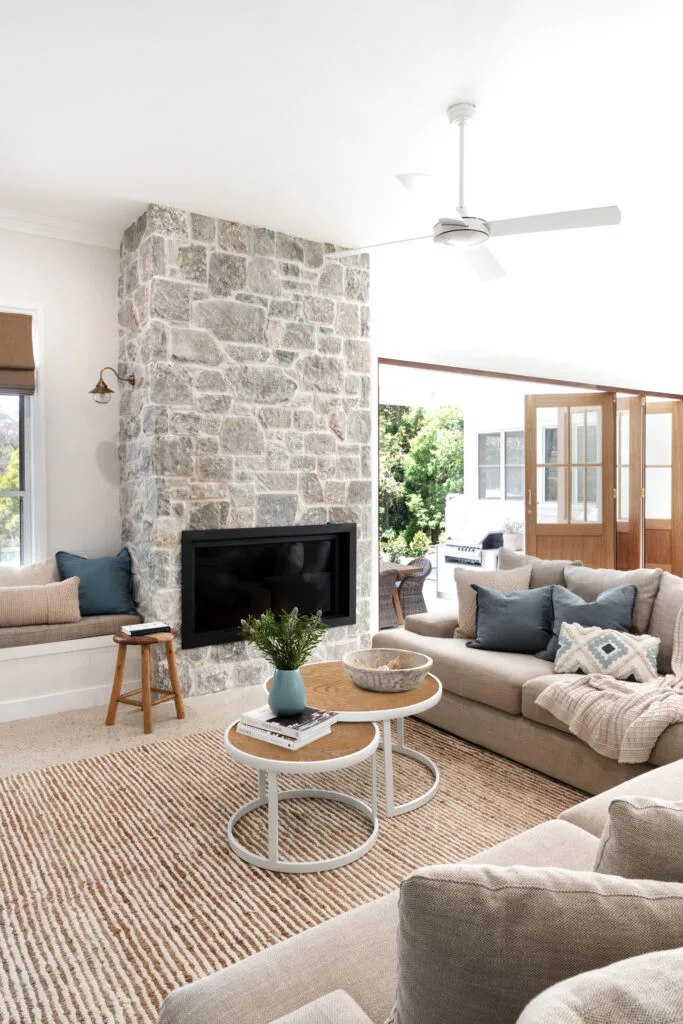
{"points": [[489, 696]]}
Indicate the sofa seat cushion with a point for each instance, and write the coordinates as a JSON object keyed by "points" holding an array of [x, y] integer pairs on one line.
{"points": [[530, 708], [488, 677], [639, 990], [334, 1008], [89, 625], [553, 844], [664, 783]]}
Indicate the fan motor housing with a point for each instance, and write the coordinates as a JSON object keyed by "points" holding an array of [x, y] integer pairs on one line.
{"points": [[467, 231]]}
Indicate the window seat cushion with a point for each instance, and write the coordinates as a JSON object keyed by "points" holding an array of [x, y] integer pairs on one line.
{"points": [[89, 625]]}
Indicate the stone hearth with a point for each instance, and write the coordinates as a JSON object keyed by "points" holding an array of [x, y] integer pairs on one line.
{"points": [[252, 406]]}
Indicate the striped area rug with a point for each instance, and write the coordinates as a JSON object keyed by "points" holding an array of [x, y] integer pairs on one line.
{"points": [[117, 884]]}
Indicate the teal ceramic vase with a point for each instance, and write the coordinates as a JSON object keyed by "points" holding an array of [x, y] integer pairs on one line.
{"points": [[287, 694]]}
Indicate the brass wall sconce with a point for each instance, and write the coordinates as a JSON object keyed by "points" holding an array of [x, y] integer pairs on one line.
{"points": [[101, 392]]}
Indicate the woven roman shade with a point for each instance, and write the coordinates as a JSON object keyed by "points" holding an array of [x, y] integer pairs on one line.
{"points": [[17, 366]]}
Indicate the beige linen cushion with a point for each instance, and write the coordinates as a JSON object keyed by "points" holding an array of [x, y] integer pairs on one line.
{"points": [[477, 943], [668, 603], [640, 990], [335, 1008], [642, 838], [590, 583], [38, 606], [505, 580], [544, 571], [29, 575]]}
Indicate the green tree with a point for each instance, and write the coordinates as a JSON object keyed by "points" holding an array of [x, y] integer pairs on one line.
{"points": [[9, 507]]}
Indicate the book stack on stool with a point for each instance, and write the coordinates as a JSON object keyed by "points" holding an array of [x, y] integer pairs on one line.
{"points": [[291, 732]]}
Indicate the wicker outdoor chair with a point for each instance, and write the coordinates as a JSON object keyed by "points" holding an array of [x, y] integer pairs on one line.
{"points": [[410, 588], [388, 578]]}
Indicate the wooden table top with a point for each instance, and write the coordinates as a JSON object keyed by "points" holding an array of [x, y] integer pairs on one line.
{"points": [[344, 739], [404, 570], [329, 688], [148, 638]]}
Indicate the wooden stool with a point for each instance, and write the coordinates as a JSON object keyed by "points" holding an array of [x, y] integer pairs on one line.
{"points": [[146, 703]]}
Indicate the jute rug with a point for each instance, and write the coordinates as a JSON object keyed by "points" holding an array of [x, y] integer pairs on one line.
{"points": [[117, 884]]}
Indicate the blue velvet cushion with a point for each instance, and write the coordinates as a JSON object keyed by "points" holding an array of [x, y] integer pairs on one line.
{"points": [[105, 583], [613, 609], [519, 621]]}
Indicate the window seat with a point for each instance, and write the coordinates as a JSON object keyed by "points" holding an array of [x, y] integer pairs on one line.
{"points": [[90, 625]]}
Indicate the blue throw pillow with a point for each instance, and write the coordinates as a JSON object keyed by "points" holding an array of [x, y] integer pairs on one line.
{"points": [[105, 583], [613, 609], [520, 621]]}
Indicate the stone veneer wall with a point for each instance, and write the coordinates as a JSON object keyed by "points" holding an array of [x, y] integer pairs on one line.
{"points": [[251, 408]]}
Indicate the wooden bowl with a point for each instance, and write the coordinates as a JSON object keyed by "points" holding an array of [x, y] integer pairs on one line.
{"points": [[365, 669]]}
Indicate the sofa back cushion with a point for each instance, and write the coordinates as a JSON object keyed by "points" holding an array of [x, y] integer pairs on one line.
{"points": [[29, 575], [106, 585], [642, 838], [668, 604], [544, 572], [590, 583], [45, 605], [612, 609], [513, 579], [477, 943], [519, 622], [640, 990]]}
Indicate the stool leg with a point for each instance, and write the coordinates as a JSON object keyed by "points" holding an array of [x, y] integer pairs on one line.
{"points": [[175, 682], [146, 654], [116, 685]]}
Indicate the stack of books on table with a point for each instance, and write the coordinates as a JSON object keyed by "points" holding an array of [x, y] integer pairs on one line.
{"points": [[145, 628], [293, 733]]}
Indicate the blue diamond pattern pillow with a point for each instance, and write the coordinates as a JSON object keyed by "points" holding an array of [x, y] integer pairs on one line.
{"points": [[588, 649]]}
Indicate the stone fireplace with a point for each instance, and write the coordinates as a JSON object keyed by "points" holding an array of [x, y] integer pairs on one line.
{"points": [[251, 408]]}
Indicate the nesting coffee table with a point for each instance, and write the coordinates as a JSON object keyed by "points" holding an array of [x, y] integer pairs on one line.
{"points": [[329, 688]]}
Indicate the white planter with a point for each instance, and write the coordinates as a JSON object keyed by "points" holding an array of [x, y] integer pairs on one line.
{"points": [[513, 541]]}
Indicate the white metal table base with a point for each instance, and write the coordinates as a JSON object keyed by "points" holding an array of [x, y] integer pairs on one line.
{"points": [[390, 748], [268, 796]]}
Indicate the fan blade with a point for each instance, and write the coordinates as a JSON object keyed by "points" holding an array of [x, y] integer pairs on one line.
{"points": [[483, 263], [598, 217], [423, 184], [341, 253]]}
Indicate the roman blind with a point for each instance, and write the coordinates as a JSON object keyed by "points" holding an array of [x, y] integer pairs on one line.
{"points": [[17, 365]]}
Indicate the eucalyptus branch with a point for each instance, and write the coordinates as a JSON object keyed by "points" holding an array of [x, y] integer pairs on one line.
{"points": [[287, 640]]}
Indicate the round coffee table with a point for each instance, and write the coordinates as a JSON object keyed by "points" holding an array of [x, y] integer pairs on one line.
{"points": [[347, 744], [329, 688]]}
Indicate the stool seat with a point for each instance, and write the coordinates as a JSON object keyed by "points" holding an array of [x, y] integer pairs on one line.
{"points": [[145, 643]]}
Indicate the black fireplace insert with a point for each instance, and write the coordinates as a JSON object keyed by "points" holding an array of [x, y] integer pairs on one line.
{"points": [[229, 574]]}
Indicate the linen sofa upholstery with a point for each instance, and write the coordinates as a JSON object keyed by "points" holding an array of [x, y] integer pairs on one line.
{"points": [[432, 623], [89, 625], [334, 1008]]}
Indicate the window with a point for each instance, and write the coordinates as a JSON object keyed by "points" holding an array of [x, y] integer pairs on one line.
{"points": [[501, 465], [15, 504]]}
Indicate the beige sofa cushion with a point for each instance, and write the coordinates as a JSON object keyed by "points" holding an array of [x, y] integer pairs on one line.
{"points": [[544, 571], [530, 708], [507, 580], [335, 1008], [553, 844], [665, 783], [29, 575], [487, 940], [639, 990], [43, 605], [88, 625], [590, 583], [668, 603], [643, 838], [488, 677], [432, 623]]}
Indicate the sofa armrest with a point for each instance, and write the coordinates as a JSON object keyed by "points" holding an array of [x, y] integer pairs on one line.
{"points": [[432, 623], [355, 952]]}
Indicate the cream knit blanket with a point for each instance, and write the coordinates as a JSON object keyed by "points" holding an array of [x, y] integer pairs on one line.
{"points": [[619, 720]]}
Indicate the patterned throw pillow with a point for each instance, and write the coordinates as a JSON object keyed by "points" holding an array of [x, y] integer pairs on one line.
{"points": [[587, 649]]}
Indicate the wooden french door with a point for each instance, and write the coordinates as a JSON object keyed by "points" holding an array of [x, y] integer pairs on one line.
{"points": [[630, 481], [570, 477], [663, 485]]}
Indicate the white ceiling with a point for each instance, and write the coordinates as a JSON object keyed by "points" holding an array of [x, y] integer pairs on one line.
{"points": [[296, 114]]}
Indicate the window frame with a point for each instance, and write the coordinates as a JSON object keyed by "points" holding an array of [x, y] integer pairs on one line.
{"points": [[503, 465]]}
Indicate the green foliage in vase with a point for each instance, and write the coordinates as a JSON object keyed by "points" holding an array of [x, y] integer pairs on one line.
{"points": [[286, 640]]}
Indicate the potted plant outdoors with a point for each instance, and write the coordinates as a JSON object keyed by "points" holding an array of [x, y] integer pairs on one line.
{"points": [[513, 535], [286, 641]]}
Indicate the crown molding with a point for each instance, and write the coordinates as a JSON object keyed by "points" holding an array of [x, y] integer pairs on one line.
{"points": [[50, 227]]}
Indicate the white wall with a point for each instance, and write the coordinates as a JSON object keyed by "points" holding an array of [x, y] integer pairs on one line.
{"points": [[73, 289]]}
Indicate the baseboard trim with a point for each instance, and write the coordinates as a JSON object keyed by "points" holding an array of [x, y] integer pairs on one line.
{"points": [[50, 704]]}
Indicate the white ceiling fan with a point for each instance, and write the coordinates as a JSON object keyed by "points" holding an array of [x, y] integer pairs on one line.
{"points": [[471, 233]]}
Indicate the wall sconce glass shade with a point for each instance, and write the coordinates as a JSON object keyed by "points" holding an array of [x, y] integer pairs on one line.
{"points": [[101, 392]]}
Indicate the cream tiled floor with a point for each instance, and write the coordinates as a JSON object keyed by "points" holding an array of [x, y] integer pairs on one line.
{"points": [[71, 735]]}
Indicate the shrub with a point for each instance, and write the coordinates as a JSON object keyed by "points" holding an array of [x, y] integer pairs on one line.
{"points": [[395, 548], [419, 545]]}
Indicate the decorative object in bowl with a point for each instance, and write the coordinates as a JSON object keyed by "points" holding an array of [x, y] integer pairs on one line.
{"points": [[386, 670]]}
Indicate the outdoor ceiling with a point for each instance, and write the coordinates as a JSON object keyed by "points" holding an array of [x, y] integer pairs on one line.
{"points": [[297, 115]]}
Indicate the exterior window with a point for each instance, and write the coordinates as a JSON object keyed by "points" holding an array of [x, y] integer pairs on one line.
{"points": [[501, 465], [15, 497]]}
